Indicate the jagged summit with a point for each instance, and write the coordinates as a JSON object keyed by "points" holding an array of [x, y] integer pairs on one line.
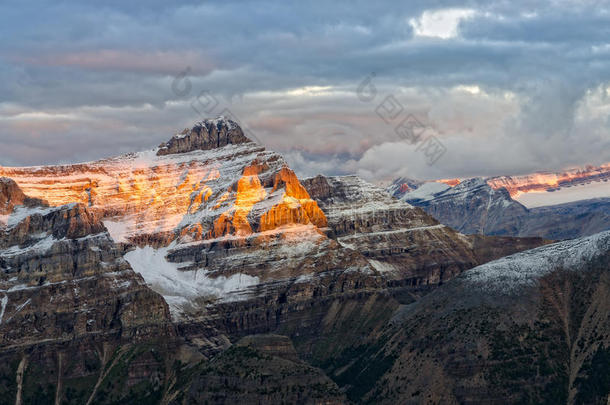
{"points": [[205, 135]]}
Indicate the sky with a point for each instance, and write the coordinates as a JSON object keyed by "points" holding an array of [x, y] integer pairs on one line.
{"points": [[422, 89]]}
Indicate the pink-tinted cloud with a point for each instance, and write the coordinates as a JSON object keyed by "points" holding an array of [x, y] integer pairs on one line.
{"points": [[161, 62]]}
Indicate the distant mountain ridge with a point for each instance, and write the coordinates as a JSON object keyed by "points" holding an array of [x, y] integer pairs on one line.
{"points": [[485, 206], [545, 181]]}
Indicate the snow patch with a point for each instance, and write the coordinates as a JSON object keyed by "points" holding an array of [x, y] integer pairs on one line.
{"points": [[119, 230], [426, 191], [19, 308], [40, 247], [21, 212], [179, 287]]}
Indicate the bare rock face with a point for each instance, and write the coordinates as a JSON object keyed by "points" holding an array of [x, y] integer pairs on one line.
{"points": [[205, 135], [11, 196], [63, 277], [68, 303], [400, 241]]}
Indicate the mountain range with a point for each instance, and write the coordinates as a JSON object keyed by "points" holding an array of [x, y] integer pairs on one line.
{"points": [[554, 206], [205, 271]]}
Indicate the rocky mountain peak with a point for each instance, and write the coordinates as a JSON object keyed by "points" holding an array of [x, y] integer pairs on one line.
{"points": [[205, 135]]}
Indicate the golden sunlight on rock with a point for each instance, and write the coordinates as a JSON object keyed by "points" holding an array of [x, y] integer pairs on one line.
{"points": [[150, 199], [449, 182], [235, 220], [296, 206]]}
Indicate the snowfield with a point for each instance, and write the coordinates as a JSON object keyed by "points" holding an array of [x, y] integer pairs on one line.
{"points": [[179, 287]]}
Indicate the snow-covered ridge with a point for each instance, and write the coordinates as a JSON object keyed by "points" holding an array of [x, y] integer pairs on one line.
{"points": [[512, 273]]}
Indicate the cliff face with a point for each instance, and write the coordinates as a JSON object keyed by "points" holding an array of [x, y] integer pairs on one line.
{"points": [[400, 241], [68, 300], [64, 278]]}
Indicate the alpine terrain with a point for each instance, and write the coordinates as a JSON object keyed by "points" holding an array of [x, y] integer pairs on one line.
{"points": [[205, 271]]}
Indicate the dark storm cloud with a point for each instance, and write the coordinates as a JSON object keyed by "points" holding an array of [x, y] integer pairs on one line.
{"points": [[516, 86]]}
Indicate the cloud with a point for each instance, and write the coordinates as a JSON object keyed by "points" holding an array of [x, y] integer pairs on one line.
{"points": [[440, 23], [160, 62], [507, 87]]}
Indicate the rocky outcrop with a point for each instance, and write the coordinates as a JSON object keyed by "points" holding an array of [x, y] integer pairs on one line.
{"points": [[251, 374], [205, 135], [12, 196]]}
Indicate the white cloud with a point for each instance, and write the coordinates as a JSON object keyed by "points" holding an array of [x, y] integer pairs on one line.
{"points": [[440, 23], [468, 89]]}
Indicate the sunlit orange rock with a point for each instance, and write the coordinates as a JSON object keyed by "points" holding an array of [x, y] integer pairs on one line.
{"points": [[296, 206], [144, 198], [449, 182]]}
